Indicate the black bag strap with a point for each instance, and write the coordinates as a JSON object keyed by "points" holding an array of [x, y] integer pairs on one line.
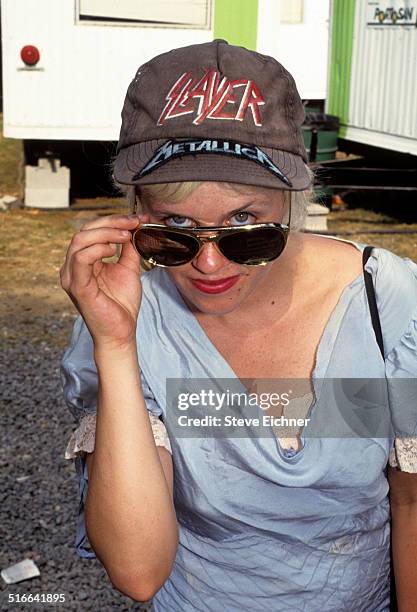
{"points": [[376, 324], [373, 308]]}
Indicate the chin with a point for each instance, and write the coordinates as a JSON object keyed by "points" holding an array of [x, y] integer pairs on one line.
{"points": [[216, 309], [219, 304]]}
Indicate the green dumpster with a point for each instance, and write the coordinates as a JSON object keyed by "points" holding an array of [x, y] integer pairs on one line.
{"points": [[320, 132]]}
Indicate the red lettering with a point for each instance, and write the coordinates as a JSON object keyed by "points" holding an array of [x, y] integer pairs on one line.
{"points": [[219, 91], [226, 97], [253, 99], [176, 98], [213, 93], [206, 89]]}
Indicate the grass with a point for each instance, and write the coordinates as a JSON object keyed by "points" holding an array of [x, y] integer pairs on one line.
{"points": [[11, 164], [359, 220], [33, 306]]}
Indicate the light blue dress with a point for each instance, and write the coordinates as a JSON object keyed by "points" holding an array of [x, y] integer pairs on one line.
{"points": [[261, 528]]}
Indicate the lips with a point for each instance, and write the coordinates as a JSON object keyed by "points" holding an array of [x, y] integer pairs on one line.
{"points": [[215, 286]]}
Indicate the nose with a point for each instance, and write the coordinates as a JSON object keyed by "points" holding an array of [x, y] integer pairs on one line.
{"points": [[209, 259]]}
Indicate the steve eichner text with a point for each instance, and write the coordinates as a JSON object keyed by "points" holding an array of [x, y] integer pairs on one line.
{"points": [[218, 401], [233, 421]]}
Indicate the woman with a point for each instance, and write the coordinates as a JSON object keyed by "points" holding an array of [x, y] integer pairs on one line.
{"points": [[248, 518]]}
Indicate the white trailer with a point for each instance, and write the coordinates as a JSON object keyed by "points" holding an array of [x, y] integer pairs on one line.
{"points": [[67, 63], [373, 75]]}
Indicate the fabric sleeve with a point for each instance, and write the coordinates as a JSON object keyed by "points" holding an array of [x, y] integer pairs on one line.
{"points": [[79, 376], [79, 380], [83, 438], [401, 369]]}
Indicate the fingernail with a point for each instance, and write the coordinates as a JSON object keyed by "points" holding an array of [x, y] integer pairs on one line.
{"points": [[132, 216]]}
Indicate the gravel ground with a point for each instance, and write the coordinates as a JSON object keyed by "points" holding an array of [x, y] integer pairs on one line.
{"points": [[38, 490]]}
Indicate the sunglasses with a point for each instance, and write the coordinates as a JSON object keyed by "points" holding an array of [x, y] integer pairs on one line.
{"points": [[251, 245]]}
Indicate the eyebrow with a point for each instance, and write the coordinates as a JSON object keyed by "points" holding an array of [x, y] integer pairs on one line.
{"points": [[173, 213]]}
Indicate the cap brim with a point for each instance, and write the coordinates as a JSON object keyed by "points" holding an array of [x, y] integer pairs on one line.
{"points": [[209, 167]]}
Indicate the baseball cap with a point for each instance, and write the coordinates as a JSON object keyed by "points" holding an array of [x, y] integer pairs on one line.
{"points": [[212, 112]]}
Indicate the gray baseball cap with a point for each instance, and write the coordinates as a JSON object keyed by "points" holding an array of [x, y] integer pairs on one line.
{"points": [[212, 112]]}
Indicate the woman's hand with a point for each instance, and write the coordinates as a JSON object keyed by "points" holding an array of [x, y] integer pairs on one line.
{"points": [[108, 295]]}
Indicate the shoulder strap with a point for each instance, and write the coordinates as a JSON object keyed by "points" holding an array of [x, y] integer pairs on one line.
{"points": [[373, 308], [376, 323]]}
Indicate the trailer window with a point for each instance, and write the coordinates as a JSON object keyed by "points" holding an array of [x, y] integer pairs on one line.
{"points": [[181, 13], [292, 11]]}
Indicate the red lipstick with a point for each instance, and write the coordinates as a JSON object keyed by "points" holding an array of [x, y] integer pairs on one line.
{"points": [[216, 286]]}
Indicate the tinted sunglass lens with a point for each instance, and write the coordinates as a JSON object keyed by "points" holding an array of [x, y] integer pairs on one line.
{"points": [[164, 247], [253, 246]]}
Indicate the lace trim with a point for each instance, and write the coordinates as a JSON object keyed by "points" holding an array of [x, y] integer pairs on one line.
{"points": [[404, 455], [288, 436], [83, 438]]}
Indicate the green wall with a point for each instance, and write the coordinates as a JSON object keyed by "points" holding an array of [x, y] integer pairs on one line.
{"points": [[237, 21], [343, 23]]}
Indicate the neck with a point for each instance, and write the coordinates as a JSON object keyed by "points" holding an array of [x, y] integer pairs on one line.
{"points": [[273, 297]]}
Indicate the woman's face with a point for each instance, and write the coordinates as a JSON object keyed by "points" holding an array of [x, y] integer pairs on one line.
{"points": [[215, 204]]}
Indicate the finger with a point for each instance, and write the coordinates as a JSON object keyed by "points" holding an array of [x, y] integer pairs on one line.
{"points": [[83, 262], [118, 221], [64, 276], [129, 257], [108, 230], [84, 239]]}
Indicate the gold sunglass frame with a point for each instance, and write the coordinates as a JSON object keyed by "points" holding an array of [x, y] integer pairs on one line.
{"points": [[214, 235]]}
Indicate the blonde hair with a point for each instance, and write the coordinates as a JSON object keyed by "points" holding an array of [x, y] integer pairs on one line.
{"points": [[172, 193]]}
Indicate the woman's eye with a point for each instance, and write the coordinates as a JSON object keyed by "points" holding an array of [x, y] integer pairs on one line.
{"points": [[242, 218], [177, 221]]}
